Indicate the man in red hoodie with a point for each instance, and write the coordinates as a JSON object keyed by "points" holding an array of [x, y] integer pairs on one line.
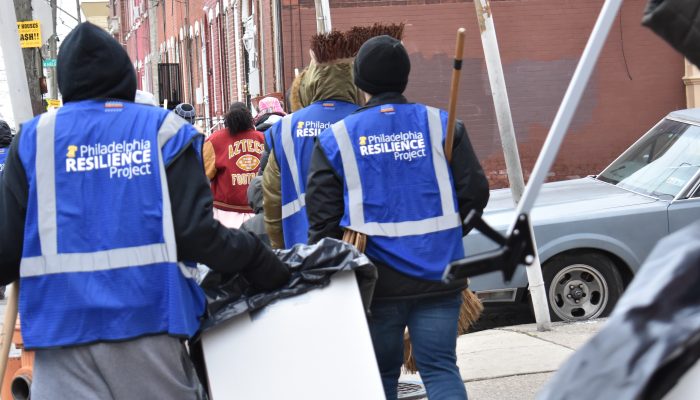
{"points": [[231, 160]]}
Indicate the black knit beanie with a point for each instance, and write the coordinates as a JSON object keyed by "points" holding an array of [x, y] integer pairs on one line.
{"points": [[93, 65], [382, 65]]}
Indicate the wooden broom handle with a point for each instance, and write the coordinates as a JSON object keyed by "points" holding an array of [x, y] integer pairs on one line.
{"points": [[8, 327], [454, 91]]}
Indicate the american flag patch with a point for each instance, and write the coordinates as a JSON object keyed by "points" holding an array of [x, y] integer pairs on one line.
{"points": [[114, 104]]}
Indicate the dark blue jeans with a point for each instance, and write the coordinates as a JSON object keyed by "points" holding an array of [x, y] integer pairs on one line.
{"points": [[432, 324]]}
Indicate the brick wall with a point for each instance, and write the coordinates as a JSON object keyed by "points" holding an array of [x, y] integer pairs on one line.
{"points": [[636, 82], [298, 25]]}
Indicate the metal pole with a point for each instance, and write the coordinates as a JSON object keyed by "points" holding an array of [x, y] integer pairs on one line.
{"points": [[510, 149], [14, 64], [500, 97], [237, 35], [190, 62], [155, 52], [77, 8], [323, 16], [261, 44], [572, 97], [205, 76], [278, 46], [326, 11]]}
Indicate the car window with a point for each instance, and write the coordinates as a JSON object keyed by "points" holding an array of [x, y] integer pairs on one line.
{"points": [[661, 163]]}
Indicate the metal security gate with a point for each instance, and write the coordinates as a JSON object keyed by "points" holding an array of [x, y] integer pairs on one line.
{"points": [[170, 83]]}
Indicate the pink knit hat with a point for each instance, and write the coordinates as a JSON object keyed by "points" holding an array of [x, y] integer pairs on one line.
{"points": [[270, 105]]}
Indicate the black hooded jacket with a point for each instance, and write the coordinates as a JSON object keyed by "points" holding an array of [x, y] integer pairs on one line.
{"points": [[325, 207], [5, 134], [92, 65]]}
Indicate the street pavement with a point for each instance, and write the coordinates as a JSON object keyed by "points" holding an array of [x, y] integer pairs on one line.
{"points": [[513, 363]]}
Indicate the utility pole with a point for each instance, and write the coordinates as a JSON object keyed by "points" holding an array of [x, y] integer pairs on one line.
{"points": [[77, 9], [153, 39], [323, 16], [32, 61], [510, 149], [53, 82]]}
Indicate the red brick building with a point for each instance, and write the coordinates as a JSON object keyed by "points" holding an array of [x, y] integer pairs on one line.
{"points": [[229, 50]]}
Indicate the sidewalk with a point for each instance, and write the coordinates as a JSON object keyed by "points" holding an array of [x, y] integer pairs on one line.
{"points": [[514, 363]]}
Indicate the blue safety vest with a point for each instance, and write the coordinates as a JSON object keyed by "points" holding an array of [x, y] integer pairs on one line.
{"points": [[398, 186], [3, 156], [292, 140], [99, 261]]}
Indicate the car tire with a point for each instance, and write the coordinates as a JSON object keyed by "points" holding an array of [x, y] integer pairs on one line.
{"points": [[581, 286]]}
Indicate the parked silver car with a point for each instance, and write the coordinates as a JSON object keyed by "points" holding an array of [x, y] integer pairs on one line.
{"points": [[593, 233]]}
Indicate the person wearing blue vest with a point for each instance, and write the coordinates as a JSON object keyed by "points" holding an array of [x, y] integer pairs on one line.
{"points": [[328, 94], [5, 140], [105, 207], [382, 172]]}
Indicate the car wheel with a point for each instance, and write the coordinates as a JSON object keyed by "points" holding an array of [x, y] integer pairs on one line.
{"points": [[581, 286]]}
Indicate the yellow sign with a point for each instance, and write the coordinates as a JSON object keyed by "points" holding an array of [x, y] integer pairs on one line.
{"points": [[29, 33], [52, 103]]}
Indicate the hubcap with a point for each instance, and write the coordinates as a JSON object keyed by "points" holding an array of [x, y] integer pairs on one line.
{"points": [[578, 292]]}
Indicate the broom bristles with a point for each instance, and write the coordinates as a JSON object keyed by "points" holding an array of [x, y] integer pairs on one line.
{"points": [[469, 312], [295, 103], [336, 45], [409, 361], [329, 46]]}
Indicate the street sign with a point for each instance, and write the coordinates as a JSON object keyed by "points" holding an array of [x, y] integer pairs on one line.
{"points": [[29, 33], [49, 63], [52, 103]]}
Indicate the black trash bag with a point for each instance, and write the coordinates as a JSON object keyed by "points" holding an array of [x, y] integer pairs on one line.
{"points": [[311, 268], [652, 337], [677, 22]]}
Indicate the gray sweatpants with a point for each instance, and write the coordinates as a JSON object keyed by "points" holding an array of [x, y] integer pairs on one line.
{"points": [[153, 367]]}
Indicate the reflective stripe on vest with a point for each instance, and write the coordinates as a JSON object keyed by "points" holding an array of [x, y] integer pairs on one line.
{"points": [[297, 204], [50, 262], [450, 216]]}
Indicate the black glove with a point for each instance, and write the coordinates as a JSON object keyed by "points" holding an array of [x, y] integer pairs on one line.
{"points": [[267, 272]]}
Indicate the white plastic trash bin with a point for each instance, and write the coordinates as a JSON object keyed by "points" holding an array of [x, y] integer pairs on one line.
{"points": [[313, 346]]}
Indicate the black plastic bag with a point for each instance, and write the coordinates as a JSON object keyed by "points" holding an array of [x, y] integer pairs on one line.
{"points": [[312, 267], [677, 22]]}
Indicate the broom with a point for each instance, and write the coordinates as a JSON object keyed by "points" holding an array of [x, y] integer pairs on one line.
{"points": [[338, 47], [471, 308]]}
